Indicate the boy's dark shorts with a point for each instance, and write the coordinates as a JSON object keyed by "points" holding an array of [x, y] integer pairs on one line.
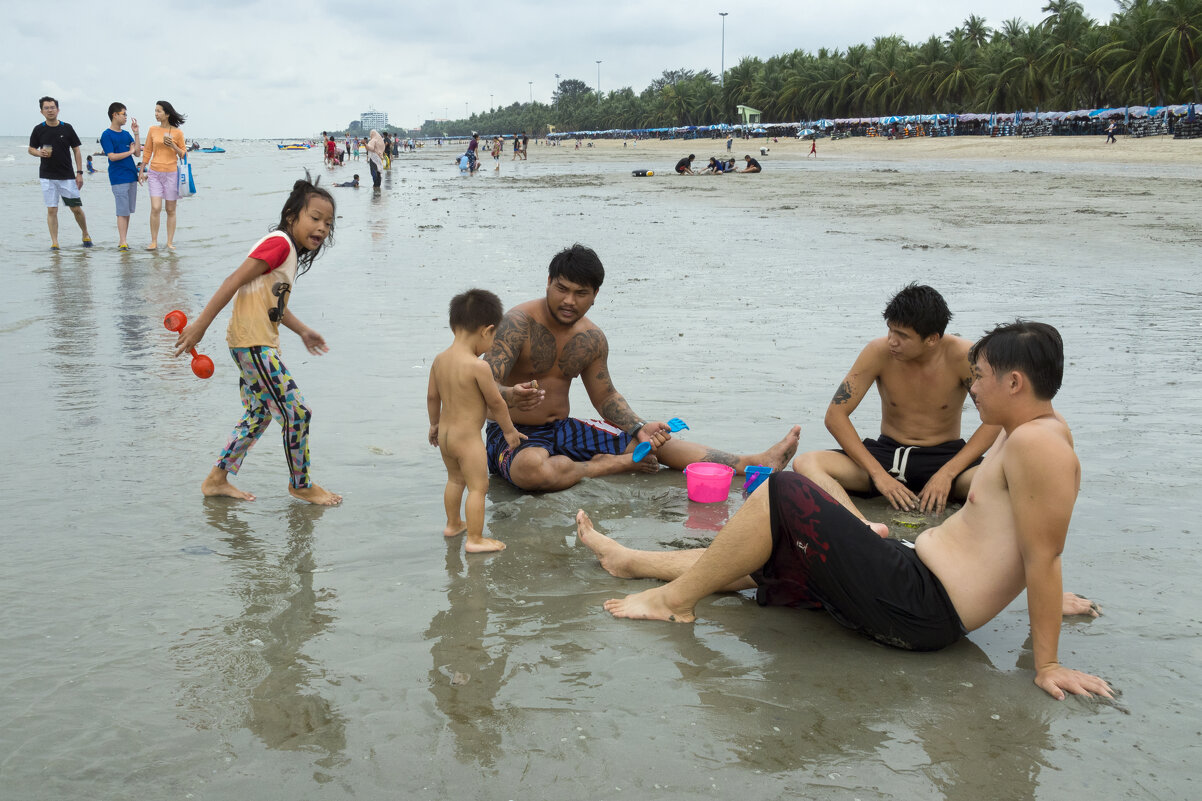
{"points": [[912, 465]]}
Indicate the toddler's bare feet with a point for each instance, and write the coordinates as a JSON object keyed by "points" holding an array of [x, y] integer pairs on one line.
{"points": [[483, 545], [454, 529], [217, 484], [316, 495]]}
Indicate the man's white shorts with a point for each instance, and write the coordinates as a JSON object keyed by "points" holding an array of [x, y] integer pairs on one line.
{"points": [[67, 190]]}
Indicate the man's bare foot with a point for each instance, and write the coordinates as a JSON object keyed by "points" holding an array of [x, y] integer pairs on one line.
{"points": [[609, 464], [649, 604], [778, 456], [217, 484], [316, 495], [612, 555], [880, 529], [152, 246], [454, 529], [483, 545]]}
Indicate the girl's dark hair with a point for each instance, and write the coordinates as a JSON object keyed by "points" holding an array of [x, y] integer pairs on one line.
{"points": [[302, 190], [174, 118]]}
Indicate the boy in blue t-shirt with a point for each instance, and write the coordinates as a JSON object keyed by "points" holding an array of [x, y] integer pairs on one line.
{"points": [[123, 151]]}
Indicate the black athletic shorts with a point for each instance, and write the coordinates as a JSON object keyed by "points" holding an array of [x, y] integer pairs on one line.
{"points": [[824, 557], [912, 465]]}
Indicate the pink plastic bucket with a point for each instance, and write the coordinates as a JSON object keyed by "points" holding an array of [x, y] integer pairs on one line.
{"points": [[708, 482]]}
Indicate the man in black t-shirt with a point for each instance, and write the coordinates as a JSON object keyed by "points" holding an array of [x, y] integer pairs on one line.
{"points": [[752, 165], [54, 142], [685, 165]]}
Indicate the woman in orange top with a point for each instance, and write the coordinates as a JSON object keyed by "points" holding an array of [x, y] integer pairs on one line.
{"points": [[164, 146]]}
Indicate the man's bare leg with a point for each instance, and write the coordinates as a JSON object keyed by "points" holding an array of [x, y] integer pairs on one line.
{"points": [[679, 454], [835, 473], [81, 220], [217, 483], [52, 224], [622, 562], [740, 548], [536, 470]]}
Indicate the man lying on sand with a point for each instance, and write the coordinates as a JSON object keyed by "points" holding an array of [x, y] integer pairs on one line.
{"points": [[922, 377], [797, 546], [540, 347]]}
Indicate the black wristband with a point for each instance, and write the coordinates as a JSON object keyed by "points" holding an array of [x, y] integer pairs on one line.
{"points": [[637, 428]]}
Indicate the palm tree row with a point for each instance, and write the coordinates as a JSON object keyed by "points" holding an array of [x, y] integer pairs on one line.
{"points": [[1148, 53]]}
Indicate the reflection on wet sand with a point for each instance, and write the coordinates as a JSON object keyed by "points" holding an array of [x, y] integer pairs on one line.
{"points": [[466, 674], [252, 670], [73, 331]]}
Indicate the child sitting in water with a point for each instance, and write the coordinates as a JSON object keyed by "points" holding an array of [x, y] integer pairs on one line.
{"points": [[461, 392], [353, 184], [91, 169], [260, 289]]}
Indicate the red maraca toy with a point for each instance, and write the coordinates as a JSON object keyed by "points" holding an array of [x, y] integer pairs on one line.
{"points": [[202, 365]]}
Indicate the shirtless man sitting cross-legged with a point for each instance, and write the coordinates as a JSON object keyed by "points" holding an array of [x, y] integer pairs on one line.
{"points": [[796, 546], [541, 346], [922, 376]]}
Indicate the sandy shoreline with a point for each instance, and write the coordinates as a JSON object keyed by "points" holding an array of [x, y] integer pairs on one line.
{"points": [[1070, 149]]}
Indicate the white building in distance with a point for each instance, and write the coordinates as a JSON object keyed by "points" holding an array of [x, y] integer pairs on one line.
{"points": [[373, 119]]}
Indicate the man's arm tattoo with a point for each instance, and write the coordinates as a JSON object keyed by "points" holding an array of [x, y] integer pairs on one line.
{"points": [[511, 336], [617, 411], [842, 394]]}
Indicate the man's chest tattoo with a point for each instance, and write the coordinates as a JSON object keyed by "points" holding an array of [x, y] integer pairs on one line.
{"points": [[542, 348], [580, 351]]}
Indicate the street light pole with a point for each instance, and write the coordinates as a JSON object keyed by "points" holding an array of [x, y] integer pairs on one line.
{"points": [[531, 92], [723, 15], [598, 81]]}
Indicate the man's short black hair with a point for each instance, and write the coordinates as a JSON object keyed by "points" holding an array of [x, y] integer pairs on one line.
{"points": [[475, 309], [115, 108], [1033, 349], [578, 264], [42, 102], [919, 307]]}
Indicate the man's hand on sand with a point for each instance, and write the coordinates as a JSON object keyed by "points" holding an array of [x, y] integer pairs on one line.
{"points": [[897, 493], [1078, 605], [1056, 680], [525, 397], [933, 497]]}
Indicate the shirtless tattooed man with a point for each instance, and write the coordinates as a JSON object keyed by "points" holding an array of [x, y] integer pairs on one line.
{"points": [[541, 346], [922, 376], [797, 546]]}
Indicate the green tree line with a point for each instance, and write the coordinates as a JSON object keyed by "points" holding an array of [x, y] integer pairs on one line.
{"points": [[1148, 53]]}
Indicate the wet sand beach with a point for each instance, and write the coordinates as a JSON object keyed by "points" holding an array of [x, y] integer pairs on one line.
{"points": [[155, 644]]}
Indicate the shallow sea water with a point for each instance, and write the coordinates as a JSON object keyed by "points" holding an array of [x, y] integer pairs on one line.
{"points": [[154, 644]]}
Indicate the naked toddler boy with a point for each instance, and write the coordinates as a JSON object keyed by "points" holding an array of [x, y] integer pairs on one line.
{"points": [[461, 391]]}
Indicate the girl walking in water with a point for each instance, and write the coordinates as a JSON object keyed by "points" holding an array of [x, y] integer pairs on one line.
{"points": [[260, 289]]}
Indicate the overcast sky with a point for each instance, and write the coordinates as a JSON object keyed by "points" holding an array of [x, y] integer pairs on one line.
{"points": [[244, 68]]}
